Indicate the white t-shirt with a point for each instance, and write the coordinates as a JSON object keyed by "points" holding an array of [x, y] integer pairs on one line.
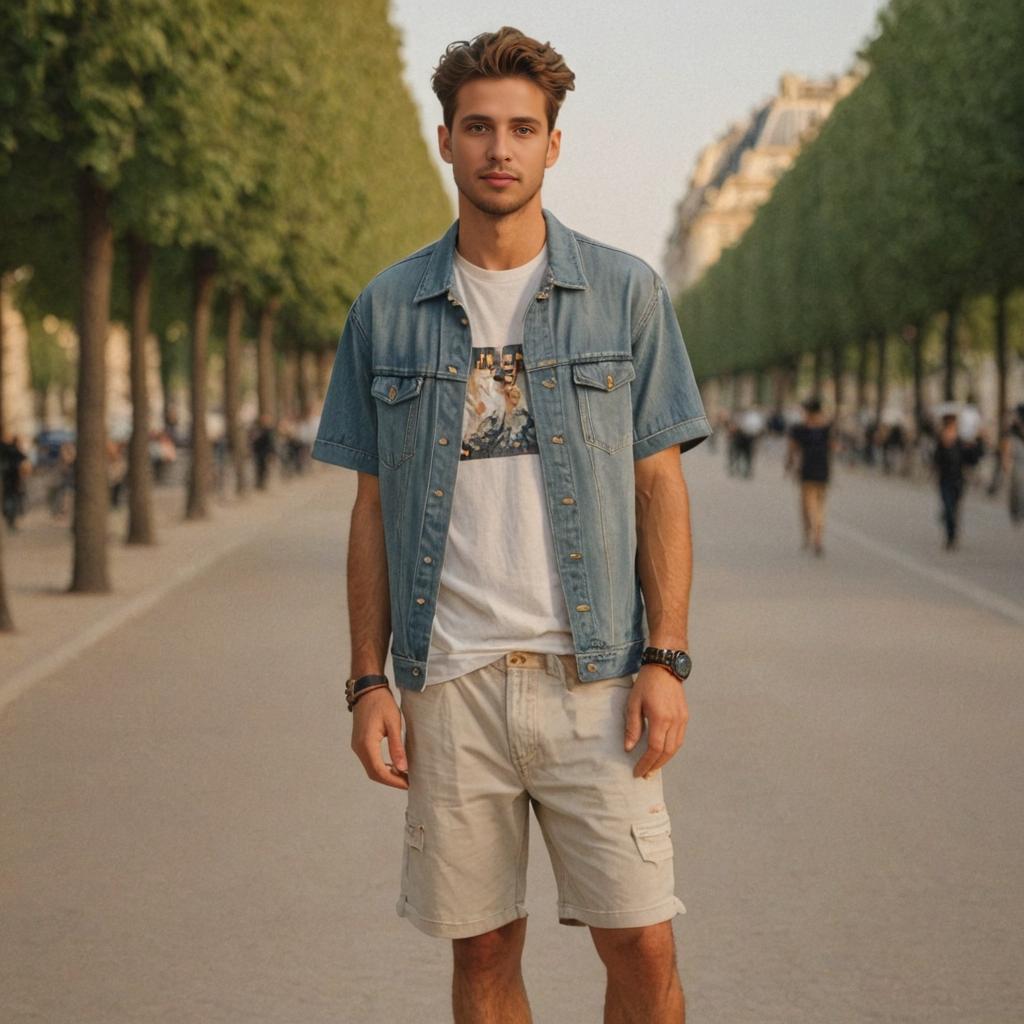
{"points": [[499, 588]]}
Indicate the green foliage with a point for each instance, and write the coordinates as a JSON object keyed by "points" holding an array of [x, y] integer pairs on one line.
{"points": [[911, 198]]}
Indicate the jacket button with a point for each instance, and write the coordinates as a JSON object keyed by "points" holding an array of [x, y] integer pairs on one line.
{"points": [[453, 369], [442, 440], [438, 493], [610, 381], [591, 667], [549, 383], [392, 391], [421, 600], [415, 671], [427, 560], [575, 555], [568, 501], [557, 439], [583, 607], [464, 321]]}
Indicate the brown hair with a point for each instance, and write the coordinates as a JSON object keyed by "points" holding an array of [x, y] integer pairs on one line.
{"points": [[506, 53]]}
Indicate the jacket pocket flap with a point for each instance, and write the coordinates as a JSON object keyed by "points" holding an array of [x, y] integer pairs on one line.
{"points": [[607, 374], [392, 389]]}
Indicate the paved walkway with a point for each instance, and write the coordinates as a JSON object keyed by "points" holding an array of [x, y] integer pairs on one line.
{"points": [[186, 836]]}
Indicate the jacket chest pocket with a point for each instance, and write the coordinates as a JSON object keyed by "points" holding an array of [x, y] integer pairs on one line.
{"points": [[398, 402], [606, 408]]}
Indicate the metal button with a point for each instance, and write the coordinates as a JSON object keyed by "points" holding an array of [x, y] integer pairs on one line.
{"points": [[442, 440], [583, 607], [464, 321], [421, 600], [453, 369], [568, 501], [428, 560], [591, 667], [575, 554], [392, 391], [438, 493], [415, 671], [610, 381], [557, 439], [516, 659], [549, 383]]}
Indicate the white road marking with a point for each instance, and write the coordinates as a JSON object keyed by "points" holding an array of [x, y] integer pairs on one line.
{"points": [[979, 595]]}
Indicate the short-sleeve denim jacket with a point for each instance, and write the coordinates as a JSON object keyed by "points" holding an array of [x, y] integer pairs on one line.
{"points": [[609, 382]]}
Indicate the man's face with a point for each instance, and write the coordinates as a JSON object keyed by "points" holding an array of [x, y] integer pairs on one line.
{"points": [[499, 145]]}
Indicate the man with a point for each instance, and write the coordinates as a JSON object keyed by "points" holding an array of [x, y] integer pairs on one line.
{"points": [[810, 450], [953, 455], [516, 599]]}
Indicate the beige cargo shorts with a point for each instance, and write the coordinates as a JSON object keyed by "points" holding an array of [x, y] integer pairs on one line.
{"points": [[525, 731]]}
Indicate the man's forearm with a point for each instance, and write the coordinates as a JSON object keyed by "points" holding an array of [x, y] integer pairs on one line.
{"points": [[369, 603], [664, 556]]}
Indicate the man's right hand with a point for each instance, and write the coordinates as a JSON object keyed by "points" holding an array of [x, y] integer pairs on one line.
{"points": [[377, 716]]}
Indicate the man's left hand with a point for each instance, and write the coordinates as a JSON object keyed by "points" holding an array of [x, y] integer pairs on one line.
{"points": [[658, 697]]}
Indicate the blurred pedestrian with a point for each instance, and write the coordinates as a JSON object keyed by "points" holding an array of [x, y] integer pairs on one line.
{"points": [[810, 456], [117, 470], [1013, 464], [749, 428], [264, 446], [64, 486], [952, 457], [15, 467]]}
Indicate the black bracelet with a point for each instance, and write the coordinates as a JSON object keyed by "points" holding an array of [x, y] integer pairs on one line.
{"points": [[355, 687]]}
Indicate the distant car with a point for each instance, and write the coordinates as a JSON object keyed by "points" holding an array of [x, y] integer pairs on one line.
{"points": [[48, 444]]}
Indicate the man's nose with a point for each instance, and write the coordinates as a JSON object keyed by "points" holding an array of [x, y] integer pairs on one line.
{"points": [[500, 149]]}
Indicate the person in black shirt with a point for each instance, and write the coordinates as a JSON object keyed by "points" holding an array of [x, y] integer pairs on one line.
{"points": [[810, 451], [952, 455]]}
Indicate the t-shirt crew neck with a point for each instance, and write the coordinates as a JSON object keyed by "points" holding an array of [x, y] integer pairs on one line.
{"points": [[500, 589]]}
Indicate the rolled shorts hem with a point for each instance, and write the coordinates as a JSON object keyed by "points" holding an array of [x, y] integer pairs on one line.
{"points": [[664, 911], [462, 930]]}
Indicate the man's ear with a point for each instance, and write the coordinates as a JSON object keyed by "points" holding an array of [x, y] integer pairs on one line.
{"points": [[554, 148], [444, 143]]}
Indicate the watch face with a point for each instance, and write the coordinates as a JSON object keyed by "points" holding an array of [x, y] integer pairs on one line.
{"points": [[681, 664]]}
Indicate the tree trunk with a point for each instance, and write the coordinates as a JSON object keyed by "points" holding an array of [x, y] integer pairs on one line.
{"points": [[265, 383], [918, 357], [200, 463], [301, 383], [949, 360], [837, 377], [6, 621], [232, 400], [862, 374], [140, 472], [323, 372], [881, 375], [818, 370], [1001, 361], [92, 490]]}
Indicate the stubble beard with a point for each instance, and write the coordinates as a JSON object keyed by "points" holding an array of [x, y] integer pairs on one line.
{"points": [[498, 207]]}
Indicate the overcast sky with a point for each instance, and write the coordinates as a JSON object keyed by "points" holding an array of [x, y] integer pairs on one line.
{"points": [[655, 82]]}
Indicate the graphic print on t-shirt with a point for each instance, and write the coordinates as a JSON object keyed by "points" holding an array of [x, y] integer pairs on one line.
{"points": [[496, 421]]}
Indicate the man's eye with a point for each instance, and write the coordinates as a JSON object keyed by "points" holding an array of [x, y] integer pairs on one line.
{"points": [[474, 127], [525, 129]]}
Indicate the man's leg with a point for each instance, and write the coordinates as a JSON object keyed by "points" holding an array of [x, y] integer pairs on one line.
{"points": [[487, 983], [643, 983]]}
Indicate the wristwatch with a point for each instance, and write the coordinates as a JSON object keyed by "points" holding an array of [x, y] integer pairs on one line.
{"points": [[677, 662], [355, 688]]}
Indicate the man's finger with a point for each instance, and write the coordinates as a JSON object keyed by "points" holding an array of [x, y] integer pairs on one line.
{"points": [[656, 736], [396, 749], [634, 722]]}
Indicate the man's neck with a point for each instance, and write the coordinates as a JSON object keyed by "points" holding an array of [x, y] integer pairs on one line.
{"points": [[501, 243]]}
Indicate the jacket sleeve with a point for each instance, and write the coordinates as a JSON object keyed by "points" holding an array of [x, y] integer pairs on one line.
{"points": [[347, 434], [667, 407]]}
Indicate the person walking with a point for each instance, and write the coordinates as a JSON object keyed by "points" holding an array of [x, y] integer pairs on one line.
{"points": [[1013, 464], [15, 468], [810, 456], [515, 398], [952, 456]]}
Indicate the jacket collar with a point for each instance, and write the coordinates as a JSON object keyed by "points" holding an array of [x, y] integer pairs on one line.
{"points": [[565, 266]]}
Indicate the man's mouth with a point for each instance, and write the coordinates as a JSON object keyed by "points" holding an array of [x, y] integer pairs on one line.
{"points": [[499, 178]]}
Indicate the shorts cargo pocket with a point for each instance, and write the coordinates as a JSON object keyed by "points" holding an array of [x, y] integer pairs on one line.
{"points": [[606, 409], [397, 404], [653, 837], [413, 841]]}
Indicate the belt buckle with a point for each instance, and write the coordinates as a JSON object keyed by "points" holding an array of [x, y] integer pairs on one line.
{"points": [[525, 659]]}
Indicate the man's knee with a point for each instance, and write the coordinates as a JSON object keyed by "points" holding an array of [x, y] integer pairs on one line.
{"points": [[492, 952], [650, 949]]}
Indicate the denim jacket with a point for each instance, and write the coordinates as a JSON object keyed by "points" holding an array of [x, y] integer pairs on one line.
{"points": [[609, 382]]}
